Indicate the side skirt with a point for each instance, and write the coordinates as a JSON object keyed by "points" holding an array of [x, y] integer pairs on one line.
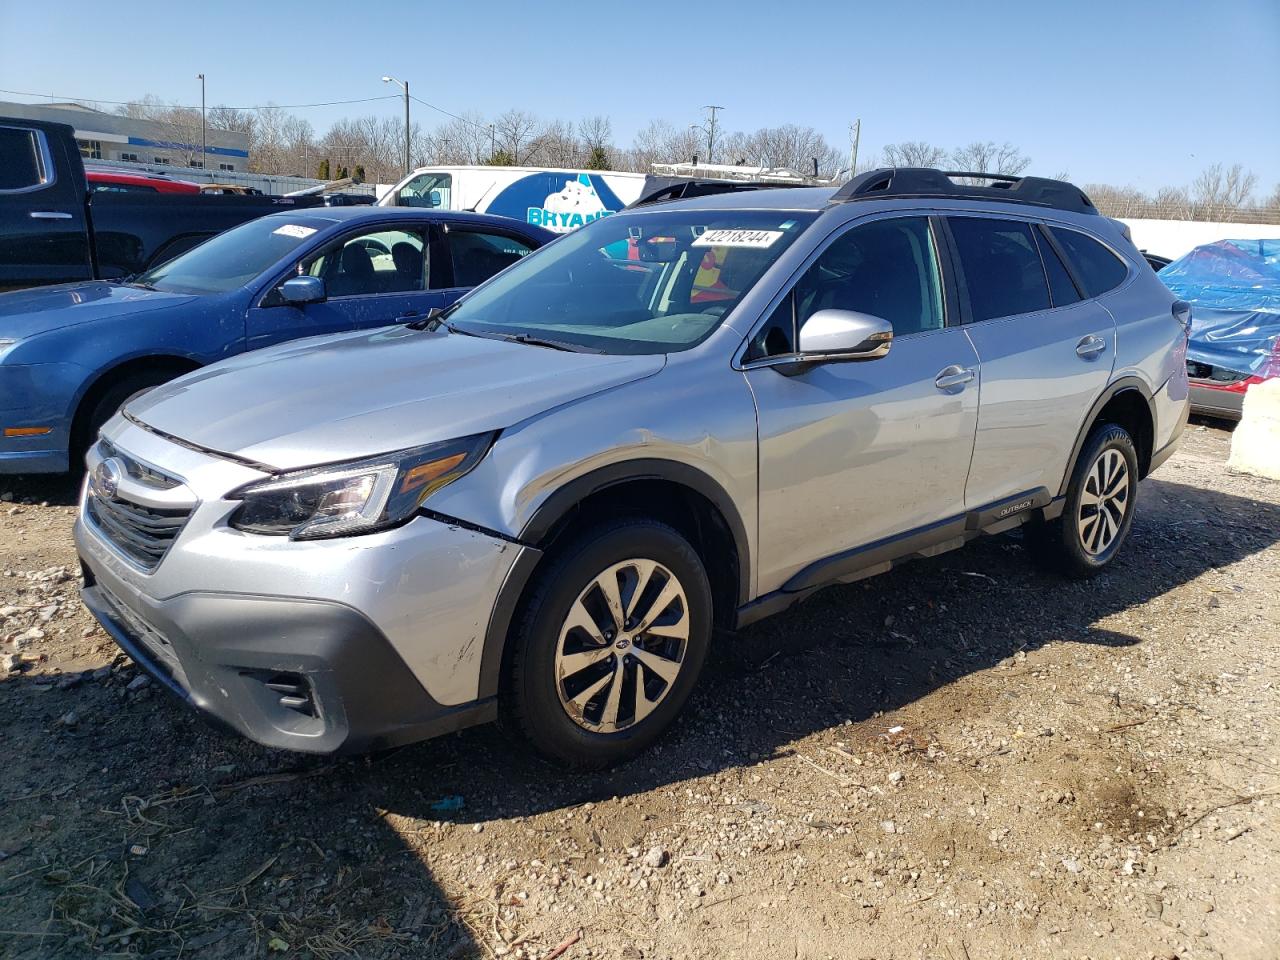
{"points": [[883, 555]]}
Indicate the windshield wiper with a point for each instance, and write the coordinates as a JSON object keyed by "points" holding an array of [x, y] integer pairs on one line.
{"points": [[531, 340]]}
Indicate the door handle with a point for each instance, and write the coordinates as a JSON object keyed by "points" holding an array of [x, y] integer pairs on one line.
{"points": [[1090, 347], [953, 376], [48, 215]]}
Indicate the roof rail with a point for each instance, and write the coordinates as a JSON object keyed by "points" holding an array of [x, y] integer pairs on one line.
{"points": [[927, 182], [662, 189]]}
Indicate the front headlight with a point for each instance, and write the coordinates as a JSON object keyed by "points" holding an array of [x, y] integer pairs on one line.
{"points": [[346, 498]]}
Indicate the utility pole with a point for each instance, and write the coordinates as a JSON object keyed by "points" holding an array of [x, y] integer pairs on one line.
{"points": [[204, 135], [408, 168], [855, 134], [711, 131], [493, 144]]}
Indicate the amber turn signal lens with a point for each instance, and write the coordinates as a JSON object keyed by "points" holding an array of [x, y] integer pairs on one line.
{"points": [[27, 431], [424, 473]]}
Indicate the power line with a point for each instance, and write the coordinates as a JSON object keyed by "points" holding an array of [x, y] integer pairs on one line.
{"points": [[269, 106], [478, 126]]}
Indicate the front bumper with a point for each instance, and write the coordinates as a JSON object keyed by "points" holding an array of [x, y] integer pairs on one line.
{"points": [[323, 646], [303, 675]]}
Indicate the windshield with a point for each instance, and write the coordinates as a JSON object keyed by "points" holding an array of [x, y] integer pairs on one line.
{"points": [[633, 283], [233, 258], [426, 190]]}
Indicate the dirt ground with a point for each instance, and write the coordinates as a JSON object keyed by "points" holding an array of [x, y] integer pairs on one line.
{"points": [[963, 759]]}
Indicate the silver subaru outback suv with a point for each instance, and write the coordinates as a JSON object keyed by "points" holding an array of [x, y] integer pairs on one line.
{"points": [[543, 502]]}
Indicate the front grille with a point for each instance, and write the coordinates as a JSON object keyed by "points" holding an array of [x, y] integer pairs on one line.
{"points": [[143, 534], [143, 472]]}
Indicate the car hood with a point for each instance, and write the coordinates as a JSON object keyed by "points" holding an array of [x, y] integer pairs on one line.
{"points": [[328, 399], [26, 313]]}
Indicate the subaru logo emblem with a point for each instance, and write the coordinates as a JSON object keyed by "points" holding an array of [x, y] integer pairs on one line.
{"points": [[106, 478]]}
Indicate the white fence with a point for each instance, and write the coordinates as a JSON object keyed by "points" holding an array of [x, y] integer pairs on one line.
{"points": [[1173, 238]]}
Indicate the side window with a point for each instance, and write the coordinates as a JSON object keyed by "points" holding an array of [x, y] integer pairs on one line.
{"points": [[1061, 286], [379, 261], [1098, 268], [1001, 266], [22, 164], [477, 255], [887, 268], [427, 190]]}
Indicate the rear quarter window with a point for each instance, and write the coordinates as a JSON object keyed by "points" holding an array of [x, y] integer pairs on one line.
{"points": [[1097, 267]]}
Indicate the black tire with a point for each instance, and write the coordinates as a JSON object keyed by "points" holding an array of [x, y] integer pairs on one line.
{"points": [[1060, 544], [104, 407], [532, 700]]}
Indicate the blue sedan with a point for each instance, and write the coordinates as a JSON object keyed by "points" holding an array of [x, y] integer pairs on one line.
{"points": [[71, 355]]}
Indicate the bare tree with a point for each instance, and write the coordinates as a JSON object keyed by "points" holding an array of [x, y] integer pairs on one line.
{"points": [[1116, 201], [1219, 193], [990, 157], [914, 153], [516, 130], [596, 136]]}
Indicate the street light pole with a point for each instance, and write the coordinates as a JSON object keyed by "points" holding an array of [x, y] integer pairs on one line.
{"points": [[204, 135], [405, 87], [711, 131]]}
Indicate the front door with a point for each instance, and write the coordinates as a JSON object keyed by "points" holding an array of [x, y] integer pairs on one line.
{"points": [[1046, 355], [853, 453], [378, 276]]}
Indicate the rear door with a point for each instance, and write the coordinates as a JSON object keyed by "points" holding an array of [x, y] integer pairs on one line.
{"points": [[44, 236], [373, 277], [1046, 352]]}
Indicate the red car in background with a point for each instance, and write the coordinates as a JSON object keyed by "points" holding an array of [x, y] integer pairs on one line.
{"points": [[123, 181]]}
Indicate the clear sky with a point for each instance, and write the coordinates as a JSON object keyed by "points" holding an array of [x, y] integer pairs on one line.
{"points": [[1119, 91]]}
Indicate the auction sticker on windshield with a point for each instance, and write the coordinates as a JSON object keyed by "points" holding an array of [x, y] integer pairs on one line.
{"points": [[738, 238], [294, 230]]}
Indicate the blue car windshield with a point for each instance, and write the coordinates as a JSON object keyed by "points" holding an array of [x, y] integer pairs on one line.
{"points": [[633, 283], [233, 258]]}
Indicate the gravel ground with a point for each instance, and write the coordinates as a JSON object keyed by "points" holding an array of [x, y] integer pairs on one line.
{"points": [[964, 758]]}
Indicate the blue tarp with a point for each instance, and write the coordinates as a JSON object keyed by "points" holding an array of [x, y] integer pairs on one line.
{"points": [[1233, 287]]}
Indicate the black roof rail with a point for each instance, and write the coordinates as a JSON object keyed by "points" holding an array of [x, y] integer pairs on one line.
{"points": [[662, 189], [927, 182]]}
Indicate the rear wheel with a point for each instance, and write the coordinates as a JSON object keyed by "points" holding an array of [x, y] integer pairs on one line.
{"points": [[612, 640], [1098, 513]]}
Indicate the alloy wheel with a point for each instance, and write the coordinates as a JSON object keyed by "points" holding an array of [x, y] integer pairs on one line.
{"points": [[622, 645], [1104, 501]]}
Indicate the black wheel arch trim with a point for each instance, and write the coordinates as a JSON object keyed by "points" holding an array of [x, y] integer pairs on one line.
{"points": [[559, 505], [1113, 390]]}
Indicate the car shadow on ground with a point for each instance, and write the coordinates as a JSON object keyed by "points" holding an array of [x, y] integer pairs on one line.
{"points": [[59, 490], [251, 844]]}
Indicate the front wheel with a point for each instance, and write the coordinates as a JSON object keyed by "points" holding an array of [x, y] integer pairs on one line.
{"points": [[610, 644], [1098, 513]]}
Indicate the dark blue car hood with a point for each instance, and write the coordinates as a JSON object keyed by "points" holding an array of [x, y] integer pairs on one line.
{"points": [[26, 313]]}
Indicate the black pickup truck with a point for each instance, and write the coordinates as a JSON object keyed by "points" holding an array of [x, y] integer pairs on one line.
{"points": [[54, 230]]}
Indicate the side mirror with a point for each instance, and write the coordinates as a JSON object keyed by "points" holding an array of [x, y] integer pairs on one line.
{"points": [[844, 335], [302, 290]]}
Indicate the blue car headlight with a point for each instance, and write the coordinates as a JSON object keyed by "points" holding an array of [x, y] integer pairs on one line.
{"points": [[358, 497]]}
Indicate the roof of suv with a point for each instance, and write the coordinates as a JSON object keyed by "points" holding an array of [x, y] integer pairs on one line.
{"points": [[886, 184]]}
